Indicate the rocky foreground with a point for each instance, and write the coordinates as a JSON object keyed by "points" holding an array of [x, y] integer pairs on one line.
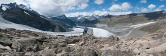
{"points": [[27, 43]]}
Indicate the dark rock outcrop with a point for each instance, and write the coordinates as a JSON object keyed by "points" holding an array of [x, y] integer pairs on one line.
{"points": [[65, 20]]}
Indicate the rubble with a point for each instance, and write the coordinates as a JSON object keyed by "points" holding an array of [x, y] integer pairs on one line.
{"points": [[28, 43]]}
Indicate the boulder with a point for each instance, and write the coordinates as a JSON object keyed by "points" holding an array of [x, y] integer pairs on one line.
{"points": [[106, 53], [89, 52]]}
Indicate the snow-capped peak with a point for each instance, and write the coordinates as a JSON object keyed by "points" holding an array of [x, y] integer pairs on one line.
{"points": [[15, 5], [24, 7], [27, 9], [8, 6], [93, 17], [4, 8]]}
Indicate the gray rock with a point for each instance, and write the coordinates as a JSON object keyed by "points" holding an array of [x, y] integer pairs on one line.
{"points": [[106, 53], [70, 54], [16, 45], [89, 52], [62, 45]]}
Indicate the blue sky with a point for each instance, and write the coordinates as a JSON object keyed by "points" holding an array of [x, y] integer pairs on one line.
{"points": [[72, 8], [134, 5]]}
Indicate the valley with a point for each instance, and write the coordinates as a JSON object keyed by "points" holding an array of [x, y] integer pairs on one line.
{"points": [[25, 32]]}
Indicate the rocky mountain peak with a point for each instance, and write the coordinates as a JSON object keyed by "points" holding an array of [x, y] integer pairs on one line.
{"points": [[62, 17], [15, 5]]}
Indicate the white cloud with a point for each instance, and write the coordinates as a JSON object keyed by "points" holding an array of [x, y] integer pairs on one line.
{"points": [[100, 13], [143, 1], [123, 6], [144, 10], [115, 7], [9, 1], [151, 6], [159, 8], [162, 0], [52, 7], [99, 2], [82, 6]]}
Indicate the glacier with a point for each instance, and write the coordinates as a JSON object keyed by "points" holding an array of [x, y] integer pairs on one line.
{"points": [[97, 32]]}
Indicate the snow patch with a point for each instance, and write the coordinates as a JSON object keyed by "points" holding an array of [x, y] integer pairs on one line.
{"points": [[26, 13], [4, 7], [140, 25]]}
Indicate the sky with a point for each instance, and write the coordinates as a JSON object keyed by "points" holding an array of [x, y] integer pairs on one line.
{"points": [[73, 8]]}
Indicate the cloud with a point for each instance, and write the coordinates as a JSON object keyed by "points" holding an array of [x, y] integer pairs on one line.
{"points": [[97, 12], [144, 10], [123, 6], [82, 6], [162, 0], [99, 2], [159, 8], [9, 1], [143, 1], [52, 7], [151, 6]]}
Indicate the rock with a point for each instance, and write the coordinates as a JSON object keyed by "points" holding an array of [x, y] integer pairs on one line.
{"points": [[29, 53], [62, 45], [89, 52], [81, 43], [5, 47], [48, 52], [136, 50], [70, 54], [164, 34], [58, 50], [16, 45], [73, 41], [116, 39], [68, 49], [106, 53]]}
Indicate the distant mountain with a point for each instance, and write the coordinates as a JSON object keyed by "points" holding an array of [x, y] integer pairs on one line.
{"points": [[88, 21], [121, 20], [65, 20], [134, 18], [21, 14]]}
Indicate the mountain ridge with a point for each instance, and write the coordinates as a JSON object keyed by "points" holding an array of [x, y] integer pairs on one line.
{"points": [[31, 18]]}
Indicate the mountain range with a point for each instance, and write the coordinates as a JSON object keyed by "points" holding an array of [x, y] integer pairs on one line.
{"points": [[21, 14]]}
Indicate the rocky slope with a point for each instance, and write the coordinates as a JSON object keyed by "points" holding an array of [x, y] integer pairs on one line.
{"points": [[21, 14], [24, 42]]}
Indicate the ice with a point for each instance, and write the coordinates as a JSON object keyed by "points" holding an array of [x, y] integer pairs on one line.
{"points": [[97, 32], [6, 24]]}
